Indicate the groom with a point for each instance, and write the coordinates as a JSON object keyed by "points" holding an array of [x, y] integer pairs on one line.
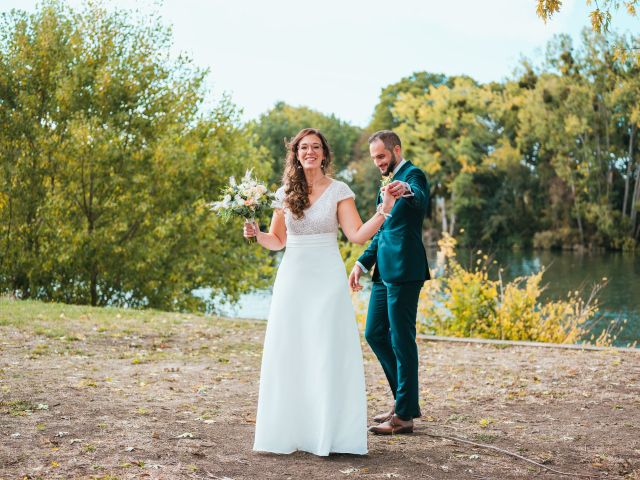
{"points": [[400, 271]]}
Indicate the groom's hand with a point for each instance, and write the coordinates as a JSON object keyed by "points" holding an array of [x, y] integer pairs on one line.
{"points": [[354, 279], [397, 188]]}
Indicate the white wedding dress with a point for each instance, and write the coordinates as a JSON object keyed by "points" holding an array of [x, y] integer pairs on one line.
{"points": [[312, 390]]}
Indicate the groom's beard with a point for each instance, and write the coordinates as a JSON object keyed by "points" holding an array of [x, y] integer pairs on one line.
{"points": [[391, 167]]}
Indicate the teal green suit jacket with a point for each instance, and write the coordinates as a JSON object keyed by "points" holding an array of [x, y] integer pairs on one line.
{"points": [[397, 250]]}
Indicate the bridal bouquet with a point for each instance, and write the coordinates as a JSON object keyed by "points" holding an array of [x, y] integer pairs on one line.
{"points": [[246, 199]]}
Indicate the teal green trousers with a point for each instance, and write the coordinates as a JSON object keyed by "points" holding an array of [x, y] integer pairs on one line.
{"points": [[391, 333]]}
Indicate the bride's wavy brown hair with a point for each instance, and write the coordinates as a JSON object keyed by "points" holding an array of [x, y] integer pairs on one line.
{"points": [[296, 188]]}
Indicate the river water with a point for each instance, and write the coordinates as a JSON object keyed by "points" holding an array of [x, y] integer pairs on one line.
{"points": [[565, 271]]}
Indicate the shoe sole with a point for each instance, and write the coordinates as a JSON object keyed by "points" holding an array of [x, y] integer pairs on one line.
{"points": [[399, 431]]}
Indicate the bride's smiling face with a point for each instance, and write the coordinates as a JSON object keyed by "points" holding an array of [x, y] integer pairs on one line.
{"points": [[310, 152]]}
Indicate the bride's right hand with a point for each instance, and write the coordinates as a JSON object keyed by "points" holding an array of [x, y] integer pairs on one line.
{"points": [[250, 230]]}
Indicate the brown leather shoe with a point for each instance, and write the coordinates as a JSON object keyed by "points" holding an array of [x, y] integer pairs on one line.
{"points": [[393, 426], [384, 417]]}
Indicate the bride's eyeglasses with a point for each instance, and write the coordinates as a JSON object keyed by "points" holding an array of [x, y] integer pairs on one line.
{"points": [[305, 148]]}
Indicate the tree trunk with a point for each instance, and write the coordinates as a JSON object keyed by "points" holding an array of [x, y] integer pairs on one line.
{"points": [[627, 180], [94, 287], [634, 200], [578, 217], [453, 222], [610, 166], [440, 203], [597, 165], [8, 235], [452, 219], [93, 284], [93, 268], [580, 226]]}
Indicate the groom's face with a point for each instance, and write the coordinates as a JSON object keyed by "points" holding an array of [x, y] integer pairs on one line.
{"points": [[384, 159]]}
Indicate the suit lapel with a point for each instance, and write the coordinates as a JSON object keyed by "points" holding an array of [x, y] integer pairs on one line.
{"points": [[398, 176], [403, 171]]}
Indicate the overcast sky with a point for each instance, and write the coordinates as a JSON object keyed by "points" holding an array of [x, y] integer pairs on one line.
{"points": [[335, 56]]}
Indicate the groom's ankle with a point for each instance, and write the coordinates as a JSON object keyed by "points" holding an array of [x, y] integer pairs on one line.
{"points": [[404, 419]]}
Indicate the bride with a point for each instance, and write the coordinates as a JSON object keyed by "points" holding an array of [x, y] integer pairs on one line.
{"points": [[312, 390]]}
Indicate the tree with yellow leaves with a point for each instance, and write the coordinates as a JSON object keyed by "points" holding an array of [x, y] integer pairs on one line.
{"points": [[600, 16]]}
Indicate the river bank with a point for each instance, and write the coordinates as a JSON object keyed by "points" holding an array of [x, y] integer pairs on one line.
{"points": [[110, 393]]}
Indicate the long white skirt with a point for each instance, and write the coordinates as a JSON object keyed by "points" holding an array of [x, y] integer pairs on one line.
{"points": [[312, 390]]}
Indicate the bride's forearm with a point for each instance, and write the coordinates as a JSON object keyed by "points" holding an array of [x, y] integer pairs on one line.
{"points": [[270, 241], [368, 230]]}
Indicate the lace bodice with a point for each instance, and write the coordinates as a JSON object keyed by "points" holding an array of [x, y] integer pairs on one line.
{"points": [[321, 216]]}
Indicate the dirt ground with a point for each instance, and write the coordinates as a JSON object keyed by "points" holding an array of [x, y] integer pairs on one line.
{"points": [[114, 394]]}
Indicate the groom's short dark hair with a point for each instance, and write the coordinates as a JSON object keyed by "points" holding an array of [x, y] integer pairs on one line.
{"points": [[389, 138]]}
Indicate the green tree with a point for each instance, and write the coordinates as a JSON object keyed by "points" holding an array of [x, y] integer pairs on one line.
{"points": [[363, 171], [550, 154], [622, 98], [283, 121], [365, 177], [415, 84], [448, 132], [578, 126], [107, 163]]}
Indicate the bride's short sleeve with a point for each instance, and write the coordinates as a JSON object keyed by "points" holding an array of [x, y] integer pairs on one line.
{"points": [[278, 202], [343, 192]]}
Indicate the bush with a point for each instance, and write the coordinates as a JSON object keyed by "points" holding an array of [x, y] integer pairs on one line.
{"points": [[555, 239], [467, 303]]}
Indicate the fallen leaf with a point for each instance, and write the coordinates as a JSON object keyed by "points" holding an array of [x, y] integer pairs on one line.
{"points": [[484, 422], [349, 471]]}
